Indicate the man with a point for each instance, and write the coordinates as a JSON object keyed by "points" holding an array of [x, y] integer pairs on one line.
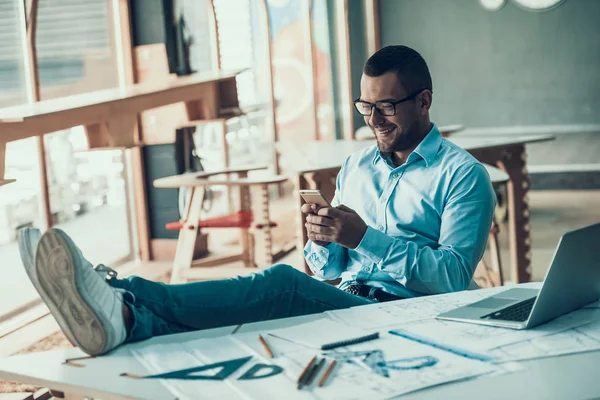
{"points": [[410, 218]]}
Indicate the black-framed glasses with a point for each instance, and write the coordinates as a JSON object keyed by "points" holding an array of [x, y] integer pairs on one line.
{"points": [[386, 108]]}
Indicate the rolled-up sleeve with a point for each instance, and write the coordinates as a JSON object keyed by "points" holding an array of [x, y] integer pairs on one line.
{"points": [[328, 262], [325, 262]]}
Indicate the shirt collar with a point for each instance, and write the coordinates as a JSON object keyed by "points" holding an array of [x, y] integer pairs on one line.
{"points": [[427, 149], [429, 146]]}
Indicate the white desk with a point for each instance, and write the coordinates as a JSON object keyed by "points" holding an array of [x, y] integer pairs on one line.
{"points": [[565, 377]]}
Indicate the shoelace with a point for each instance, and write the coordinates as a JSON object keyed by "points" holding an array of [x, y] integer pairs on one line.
{"points": [[110, 273]]}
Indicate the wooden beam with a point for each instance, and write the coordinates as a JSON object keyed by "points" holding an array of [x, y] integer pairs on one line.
{"points": [[126, 66], [266, 22], [112, 133], [344, 74], [372, 27], [214, 36], [31, 18], [311, 59], [128, 76], [31, 11], [2, 160]]}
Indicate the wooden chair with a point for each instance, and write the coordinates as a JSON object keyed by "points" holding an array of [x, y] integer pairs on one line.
{"points": [[490, 274], [252, 218]]}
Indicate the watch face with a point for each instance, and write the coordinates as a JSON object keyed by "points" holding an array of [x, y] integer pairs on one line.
{"points": [[538, 5], [492, 5]]}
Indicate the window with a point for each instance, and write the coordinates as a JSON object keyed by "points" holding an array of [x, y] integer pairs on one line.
{"points": [[76, 54], [19, 201], [75, 47], [12, 61]]}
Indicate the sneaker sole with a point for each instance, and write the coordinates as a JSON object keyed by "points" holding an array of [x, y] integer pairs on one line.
{"points": [[56, 272], [29, 258]]}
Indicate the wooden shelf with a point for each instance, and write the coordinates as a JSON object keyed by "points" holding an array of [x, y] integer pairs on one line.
{"points": [[112, 105], [6, 181]]}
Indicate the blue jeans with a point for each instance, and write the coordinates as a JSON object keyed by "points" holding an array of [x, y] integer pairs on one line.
{"points": [[278, 292]]}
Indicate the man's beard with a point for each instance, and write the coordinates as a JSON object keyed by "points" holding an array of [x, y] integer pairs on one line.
{"points": [[405, 141]]}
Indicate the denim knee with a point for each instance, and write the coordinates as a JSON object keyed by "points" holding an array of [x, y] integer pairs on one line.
{"points": [[283, 273]]}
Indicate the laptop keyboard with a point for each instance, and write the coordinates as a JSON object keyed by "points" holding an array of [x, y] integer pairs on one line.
{"points": [[517, 312]]}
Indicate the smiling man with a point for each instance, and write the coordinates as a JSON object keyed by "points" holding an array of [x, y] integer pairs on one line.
{"points": [[410, 217]]}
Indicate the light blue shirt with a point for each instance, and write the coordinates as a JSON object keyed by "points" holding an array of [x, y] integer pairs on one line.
{"points": [[428, 220]]}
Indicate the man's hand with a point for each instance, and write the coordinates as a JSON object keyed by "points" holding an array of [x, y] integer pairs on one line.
{"points": [[312, 209], [340, 225]]}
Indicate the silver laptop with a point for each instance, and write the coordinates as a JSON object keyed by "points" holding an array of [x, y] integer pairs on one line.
{"points": [[572, 281]]}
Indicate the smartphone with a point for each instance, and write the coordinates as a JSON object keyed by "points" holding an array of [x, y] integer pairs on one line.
{"points": [[313, 196]]}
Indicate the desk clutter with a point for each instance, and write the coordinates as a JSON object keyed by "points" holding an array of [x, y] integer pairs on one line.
{"points": [[393, 353]]}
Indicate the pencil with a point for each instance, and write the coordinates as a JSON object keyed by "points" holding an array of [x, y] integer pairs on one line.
{"points": [[315, 372], [266, 346], [323, 380], [304, 373]]}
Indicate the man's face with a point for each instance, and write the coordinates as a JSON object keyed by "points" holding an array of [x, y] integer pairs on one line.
{"points": [[399, 132]]}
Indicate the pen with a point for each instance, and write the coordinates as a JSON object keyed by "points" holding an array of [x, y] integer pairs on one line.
{"points": [[304, 374], [350, 342], [323, 380], [266, 346], [315, 371]]}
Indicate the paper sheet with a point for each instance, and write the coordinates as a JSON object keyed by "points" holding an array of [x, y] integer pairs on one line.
{"points": [[179, 356], [576, 340], [162, 358], [317, 333], [408, 366], [378, 369], [481, 338], [402, 311]]}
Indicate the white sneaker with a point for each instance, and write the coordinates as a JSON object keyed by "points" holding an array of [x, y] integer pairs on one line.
{"points": [[89, 311], [28, 239]]}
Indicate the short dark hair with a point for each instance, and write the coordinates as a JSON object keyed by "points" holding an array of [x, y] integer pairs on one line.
{"points": [[407, 63]]}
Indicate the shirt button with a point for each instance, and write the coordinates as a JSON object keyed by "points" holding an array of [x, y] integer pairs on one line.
{"points": [[366, 269], [381, 228], [383, 199]]}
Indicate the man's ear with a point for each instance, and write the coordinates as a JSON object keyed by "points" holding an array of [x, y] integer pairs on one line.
{"points": [[425, 99]]}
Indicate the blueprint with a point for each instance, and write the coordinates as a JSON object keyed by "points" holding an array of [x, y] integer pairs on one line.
{"points": [[398, 312], [378, 369], [575, 340], [236, 367], [481, 338]]}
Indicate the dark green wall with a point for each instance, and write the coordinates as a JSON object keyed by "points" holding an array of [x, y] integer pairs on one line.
{"points": [[508, 67], [152, 22]]}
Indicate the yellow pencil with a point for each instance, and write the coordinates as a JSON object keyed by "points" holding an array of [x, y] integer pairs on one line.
{"points": [[266, 346], [323, 380]]}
